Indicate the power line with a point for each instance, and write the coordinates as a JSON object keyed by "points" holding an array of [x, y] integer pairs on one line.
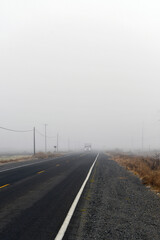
{"points": [[34, 137], [43, 135], [23, 131], [12, 130], [40, 133]]}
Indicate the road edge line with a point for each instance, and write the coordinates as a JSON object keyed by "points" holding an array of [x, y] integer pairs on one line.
{"points": [[67, 220]]}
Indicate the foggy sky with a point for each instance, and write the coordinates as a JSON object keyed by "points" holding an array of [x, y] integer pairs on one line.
{"points": [[89, 69]]}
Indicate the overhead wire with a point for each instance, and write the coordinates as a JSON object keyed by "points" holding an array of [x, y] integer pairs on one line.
{"points": [[43, 135], [12, 130]]}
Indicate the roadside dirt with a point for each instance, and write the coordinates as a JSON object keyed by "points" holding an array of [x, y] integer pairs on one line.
{"points": [[22, 158], [115, 206]]}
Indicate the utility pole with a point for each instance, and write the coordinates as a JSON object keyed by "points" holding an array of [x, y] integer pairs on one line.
{"points": [[34, 141], [57, 141], [68, 144], [45, 138], [149, 150], [142, 137]]}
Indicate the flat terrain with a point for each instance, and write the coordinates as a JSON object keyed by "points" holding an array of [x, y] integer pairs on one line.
{"points": [[36, 196], [115, 205]]}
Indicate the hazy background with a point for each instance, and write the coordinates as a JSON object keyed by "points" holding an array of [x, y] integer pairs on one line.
{"points": [[89, 69]]}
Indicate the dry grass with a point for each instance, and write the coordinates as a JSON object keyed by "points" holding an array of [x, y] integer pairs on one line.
{"points": [[43, 155], [39, 155], [15, 159], [147, 168]]}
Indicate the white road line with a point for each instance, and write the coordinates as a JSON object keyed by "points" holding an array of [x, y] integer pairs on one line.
{"points": [[25, 165], [66, 222]]}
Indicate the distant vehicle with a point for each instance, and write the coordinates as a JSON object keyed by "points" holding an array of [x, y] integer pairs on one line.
{"points": [[87, 147]]}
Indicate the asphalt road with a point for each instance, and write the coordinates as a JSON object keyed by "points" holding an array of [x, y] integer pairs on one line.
{"points": [[35, 198], [115, 205]]}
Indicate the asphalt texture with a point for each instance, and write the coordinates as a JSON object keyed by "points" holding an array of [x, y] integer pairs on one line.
{"points": [[35, 198], [115, 205]]}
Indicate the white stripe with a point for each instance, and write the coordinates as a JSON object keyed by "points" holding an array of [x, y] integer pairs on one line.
{"points": [[66, 222]]}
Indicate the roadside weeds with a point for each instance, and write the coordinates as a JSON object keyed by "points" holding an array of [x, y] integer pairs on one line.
{"points": [[146, 168], [22, 158]]}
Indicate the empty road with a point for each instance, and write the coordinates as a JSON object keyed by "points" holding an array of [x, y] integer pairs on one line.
{"points": [[35, 197]]}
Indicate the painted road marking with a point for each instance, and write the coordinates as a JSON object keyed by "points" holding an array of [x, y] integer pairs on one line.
{"points": [[40, 172], [66, 222], [57, 165], [4, 186]]}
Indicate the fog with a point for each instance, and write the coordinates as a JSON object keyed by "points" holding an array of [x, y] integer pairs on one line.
{"points": [[88, 69]]}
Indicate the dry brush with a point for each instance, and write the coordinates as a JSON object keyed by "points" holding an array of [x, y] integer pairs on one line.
{"points": [[147, 168]]}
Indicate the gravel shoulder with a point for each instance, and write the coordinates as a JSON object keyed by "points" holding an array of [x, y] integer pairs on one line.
{"points": [[115, 205]]}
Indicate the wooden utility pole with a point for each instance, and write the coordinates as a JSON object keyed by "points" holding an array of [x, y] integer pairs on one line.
{"points": [[57, 141], [34, 141], [45, 138]]}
